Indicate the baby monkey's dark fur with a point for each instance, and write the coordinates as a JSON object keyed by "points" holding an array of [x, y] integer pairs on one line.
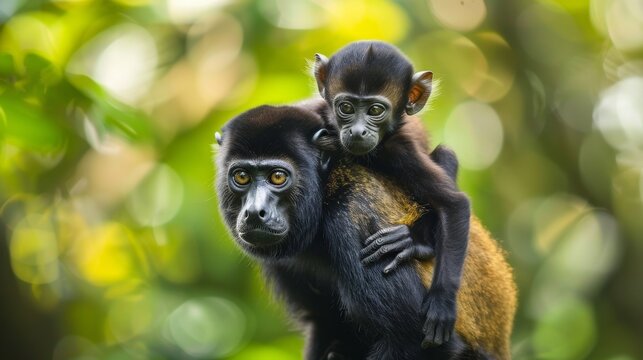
{"points": [[372, 92]]}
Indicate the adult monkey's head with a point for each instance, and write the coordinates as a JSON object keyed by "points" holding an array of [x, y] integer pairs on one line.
{"points": [[369, 86], [269, 179]]}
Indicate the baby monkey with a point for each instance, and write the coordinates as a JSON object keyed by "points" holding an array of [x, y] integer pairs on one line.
{"points": [[372, 94]]}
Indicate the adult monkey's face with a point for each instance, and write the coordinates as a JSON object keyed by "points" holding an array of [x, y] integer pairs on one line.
{"points": [[263, 187], [269, 181]]}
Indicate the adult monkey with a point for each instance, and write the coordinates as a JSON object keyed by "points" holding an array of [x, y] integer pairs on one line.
{"points": [[302, 217]]}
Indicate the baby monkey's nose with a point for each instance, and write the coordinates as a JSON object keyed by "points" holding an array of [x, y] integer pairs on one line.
{"points": [[357, 131]]}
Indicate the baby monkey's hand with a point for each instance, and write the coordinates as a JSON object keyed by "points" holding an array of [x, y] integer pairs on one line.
{"points": [[390, 241]]}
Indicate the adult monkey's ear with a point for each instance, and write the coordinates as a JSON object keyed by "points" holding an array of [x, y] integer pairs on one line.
{"points": [[421, 85], [321, 71], [218, 137], [325, 143]]}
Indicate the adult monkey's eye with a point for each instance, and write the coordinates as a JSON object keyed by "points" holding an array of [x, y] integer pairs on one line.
{"points": [[241, 177], [376, 110], [346, 108], [278, 177]]}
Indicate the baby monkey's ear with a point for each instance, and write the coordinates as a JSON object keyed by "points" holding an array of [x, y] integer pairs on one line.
{"points": [[321, 71], [421, 84]]}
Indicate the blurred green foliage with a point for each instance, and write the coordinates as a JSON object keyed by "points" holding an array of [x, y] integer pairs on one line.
{"points": [[110, 242]]}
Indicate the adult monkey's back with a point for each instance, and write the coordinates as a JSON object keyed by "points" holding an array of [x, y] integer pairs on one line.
{"points": [[273, 199], [487, 300]]}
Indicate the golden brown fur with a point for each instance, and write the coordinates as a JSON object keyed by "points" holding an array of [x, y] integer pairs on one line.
{"points": [[487, 296]]}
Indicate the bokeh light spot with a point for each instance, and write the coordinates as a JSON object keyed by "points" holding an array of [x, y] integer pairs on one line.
{"points": [[358, 19], [131, 317], [537, 226], [207, 327], [472, 67], [567, 331], [123, 59], [185, 11], [592, 236], [34, 250], [498, 76], [98, 140], [553, 218], [158, 198], [619, 114], [215, 73], [461, 15], [293, 14], [110, 176], [8, 8], [474, 131], [106, 255], [29, 33], [624, 19]]}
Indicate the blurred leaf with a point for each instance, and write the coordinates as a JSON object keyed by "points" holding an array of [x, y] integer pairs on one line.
{"points": [[158, 197], [117, 116], [41, 70], [27, 126], [35, 63], [7, 66]]}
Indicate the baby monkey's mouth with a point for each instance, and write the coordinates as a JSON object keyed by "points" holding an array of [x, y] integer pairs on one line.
{"points": [[361, 146]]}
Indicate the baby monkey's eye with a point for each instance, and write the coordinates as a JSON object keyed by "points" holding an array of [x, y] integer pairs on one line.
{"points": [[376, 110], [278, 177], [241, 177], [346, 108]]}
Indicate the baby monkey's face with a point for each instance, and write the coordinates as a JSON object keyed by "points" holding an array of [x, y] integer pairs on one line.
{"points": [[362, 120], [370, 85]]}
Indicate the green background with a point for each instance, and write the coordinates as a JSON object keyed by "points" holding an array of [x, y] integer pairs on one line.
{"points": [[111, 246]]}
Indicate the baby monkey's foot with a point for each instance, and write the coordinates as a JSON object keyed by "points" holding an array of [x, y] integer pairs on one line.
{"points": [[394, 240], [439, 308]]}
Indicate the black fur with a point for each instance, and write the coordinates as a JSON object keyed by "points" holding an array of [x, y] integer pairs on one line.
{"points": [[348, 310], [447, 160]]}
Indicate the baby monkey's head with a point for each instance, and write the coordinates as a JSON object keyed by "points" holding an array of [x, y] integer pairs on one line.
{"points": [[369, 86]]}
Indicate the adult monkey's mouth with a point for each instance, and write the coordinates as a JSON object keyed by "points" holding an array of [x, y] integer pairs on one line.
{"points": [[262, 236]]}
